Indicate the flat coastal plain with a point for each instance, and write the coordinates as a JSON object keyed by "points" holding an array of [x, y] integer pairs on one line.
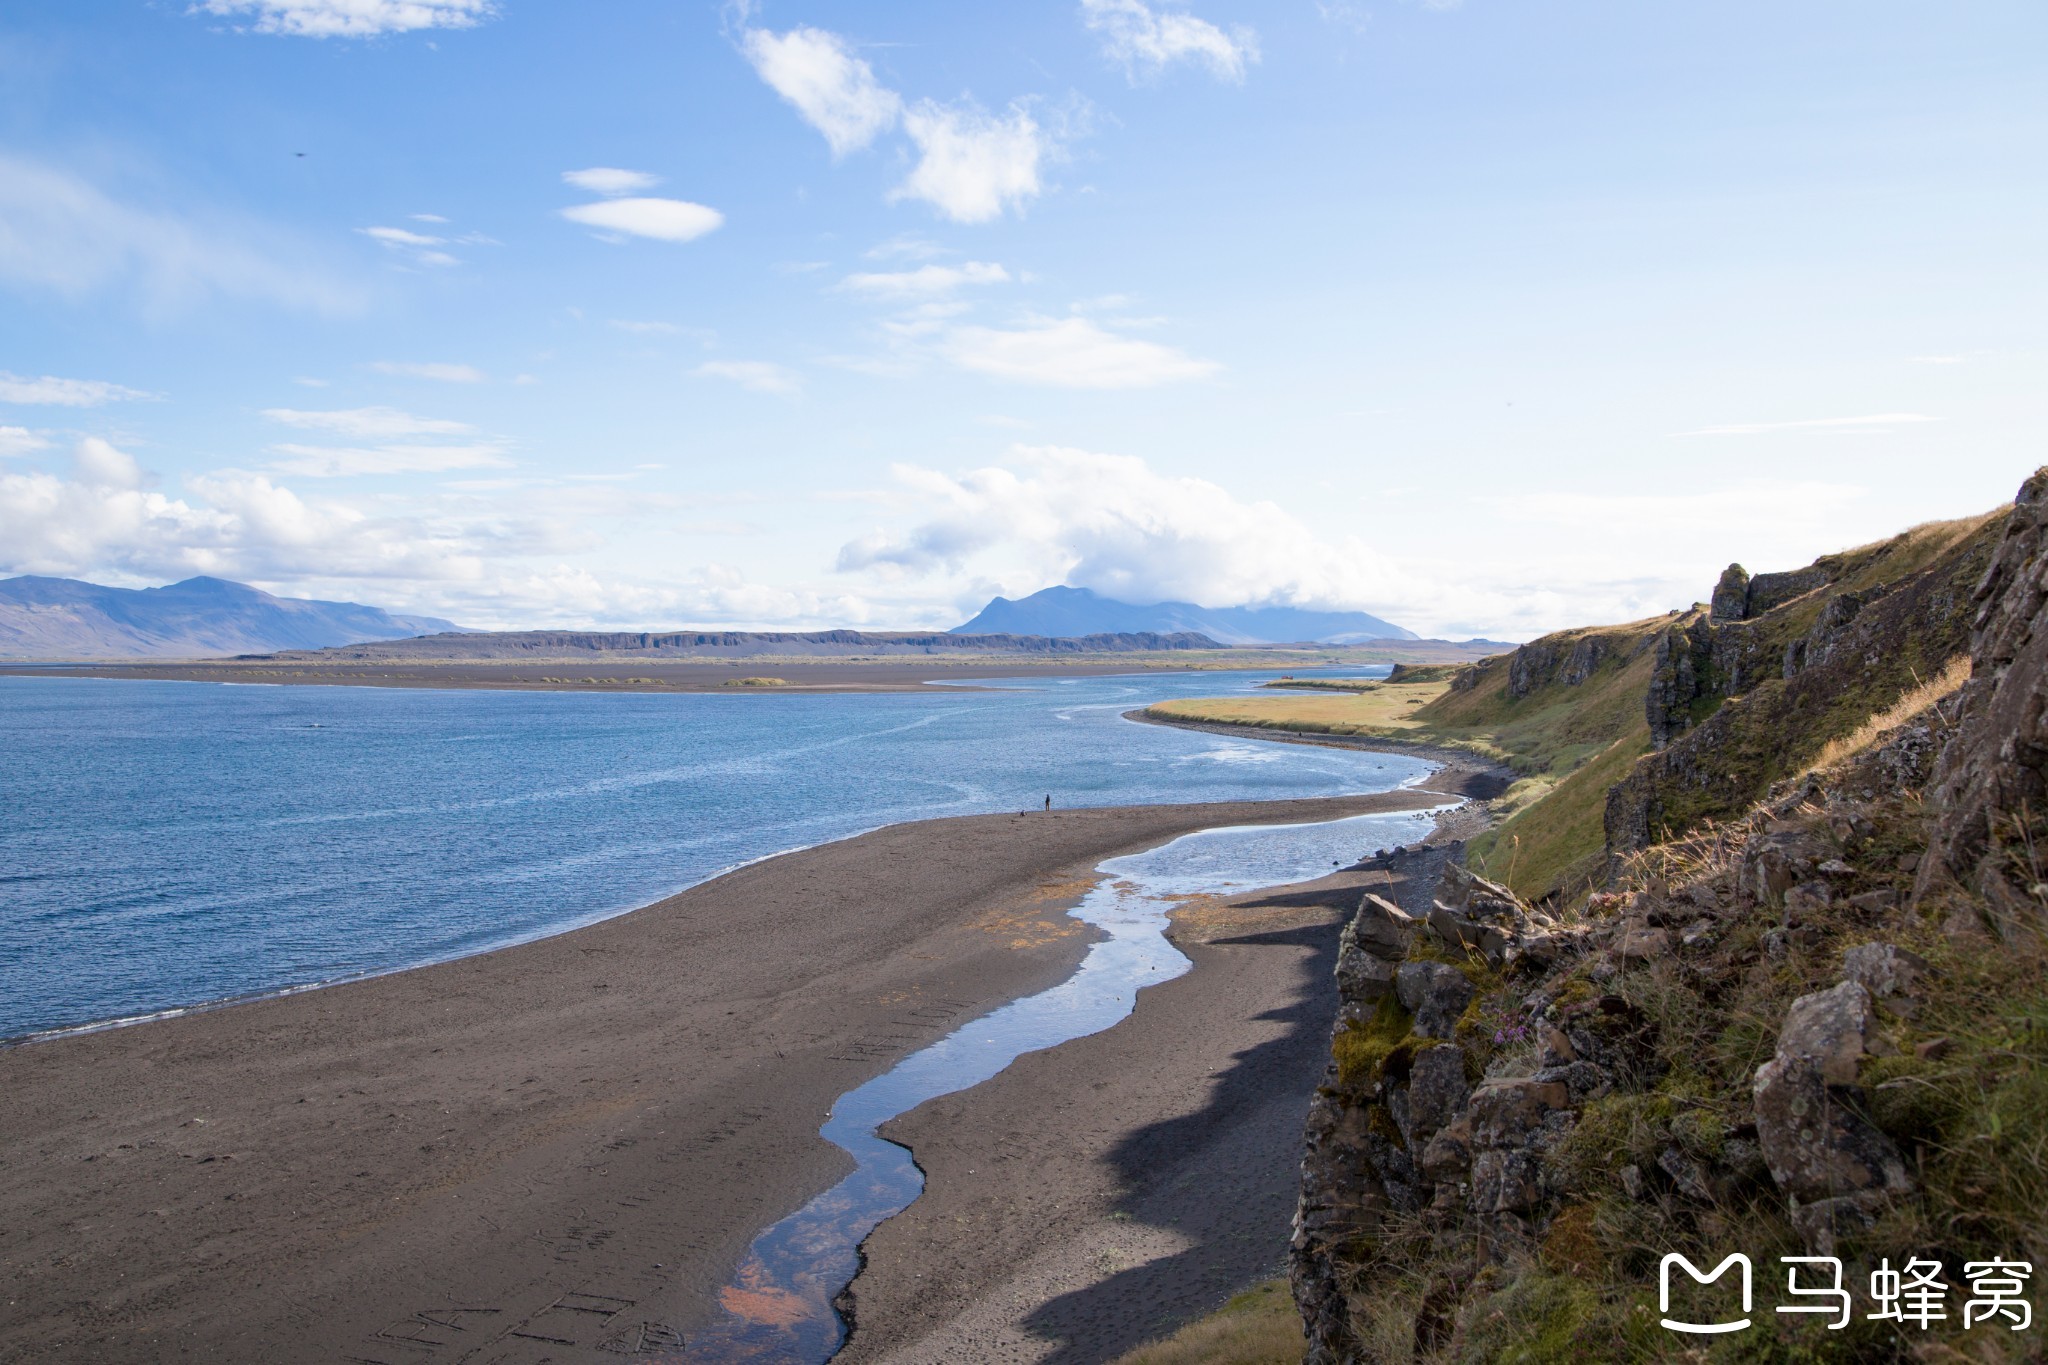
{"points": [[555, 1150]]}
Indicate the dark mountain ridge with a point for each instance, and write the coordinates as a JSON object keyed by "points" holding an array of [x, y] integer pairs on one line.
{"points": [[746, 644]]}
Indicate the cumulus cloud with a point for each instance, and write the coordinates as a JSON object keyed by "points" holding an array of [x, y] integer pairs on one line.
{"points": [[664, 220], [349, 18], [761, 376], [835, 91], [105, 518], [972, 164], [610, 180], [439, 371], [367, 423], [65, 393], [1071, 353], [60, 233], [1147, 41], [925, 281], [1114, 524]]}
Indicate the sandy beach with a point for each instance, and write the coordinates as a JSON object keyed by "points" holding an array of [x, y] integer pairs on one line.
{"points": [[537, 1149]]}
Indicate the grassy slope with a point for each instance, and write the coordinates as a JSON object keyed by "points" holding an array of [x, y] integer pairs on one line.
{"points": [[1570, 743], [1971, 1119]]}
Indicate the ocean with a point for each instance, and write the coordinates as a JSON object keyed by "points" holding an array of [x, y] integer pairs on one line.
{"points": [[166, 845]]}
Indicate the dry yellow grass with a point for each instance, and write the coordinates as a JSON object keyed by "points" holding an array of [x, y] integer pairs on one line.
{"points": [[1386, 707], [1258, 1327], [1953, 675]]}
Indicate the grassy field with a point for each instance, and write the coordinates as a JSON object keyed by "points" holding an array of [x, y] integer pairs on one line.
{"points": [[1361, 709]]}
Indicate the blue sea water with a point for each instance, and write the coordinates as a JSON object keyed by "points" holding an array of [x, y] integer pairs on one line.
{"points": [[164, 845]]}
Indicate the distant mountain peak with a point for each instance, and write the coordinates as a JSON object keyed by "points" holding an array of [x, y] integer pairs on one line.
{"points": [[1066, 611], [202, 617]]}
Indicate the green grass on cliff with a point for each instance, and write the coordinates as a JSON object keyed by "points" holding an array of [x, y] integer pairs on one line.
{"points": [[1258, 1327], [1557, 843]]}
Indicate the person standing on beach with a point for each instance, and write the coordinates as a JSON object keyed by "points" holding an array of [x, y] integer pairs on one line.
{"points": [[1048, 801]]}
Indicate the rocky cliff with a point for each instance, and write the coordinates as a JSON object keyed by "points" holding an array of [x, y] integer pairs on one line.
{"points": [[1805, 1011]]}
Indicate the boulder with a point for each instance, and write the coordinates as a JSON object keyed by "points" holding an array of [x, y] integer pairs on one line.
{"points": [[1819, 1146], [1372, 944], [1482, 916], [1506, 1110], [1890, 974], [1436, 994], [1437, 1091], [1829, 1029]]}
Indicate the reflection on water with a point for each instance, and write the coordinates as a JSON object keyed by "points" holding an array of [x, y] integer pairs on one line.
{"points": [[780, 1305]]}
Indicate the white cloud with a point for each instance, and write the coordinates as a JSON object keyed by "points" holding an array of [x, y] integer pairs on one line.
{"points": [[972, 165], [19, 441], [835, 91], [103, 520], [1879, 421], [665, 220], [610, 180], [1148, 41], [1071, 353], [426, 217], [350, 18], [66, 393], [418, 247], [761, 376], [436, 370], [1113, 524], [905, 246], [59, 233], [342, 462], [924, 281], [367, 423]]}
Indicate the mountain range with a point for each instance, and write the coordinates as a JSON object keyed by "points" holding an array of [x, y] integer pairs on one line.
{"points": [[1079, 611], [64, 618]]}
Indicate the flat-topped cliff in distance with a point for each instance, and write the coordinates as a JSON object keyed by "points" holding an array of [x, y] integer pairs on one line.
{"points": [[65, 618], [736, 644], [1066, 611]]}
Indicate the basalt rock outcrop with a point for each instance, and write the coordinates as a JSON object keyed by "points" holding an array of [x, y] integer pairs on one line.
{"points": [[1740, 1030], [1991, 781], [1737, 705]]}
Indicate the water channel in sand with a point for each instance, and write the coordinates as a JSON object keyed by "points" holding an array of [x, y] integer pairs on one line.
{"points": [[779, 1306]]}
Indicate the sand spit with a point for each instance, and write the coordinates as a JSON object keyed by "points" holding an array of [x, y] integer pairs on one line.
{"points": [[554, 1148]]}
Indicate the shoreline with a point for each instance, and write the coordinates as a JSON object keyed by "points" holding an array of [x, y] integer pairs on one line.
{"points": [[438, 1155], [1105, 1192]]}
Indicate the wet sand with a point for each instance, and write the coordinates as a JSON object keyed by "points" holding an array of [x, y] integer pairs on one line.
{"points": [[1102, 1193], [559, 1150]]}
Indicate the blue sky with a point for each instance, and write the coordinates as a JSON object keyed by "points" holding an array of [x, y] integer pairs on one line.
{"points": [[1490, 318]]}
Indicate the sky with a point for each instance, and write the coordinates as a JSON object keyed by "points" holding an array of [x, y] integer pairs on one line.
{"points": [[1490, 318]]}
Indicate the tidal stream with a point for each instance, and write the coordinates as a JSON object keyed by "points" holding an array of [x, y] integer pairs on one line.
{"points": [[780, 1306]]}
